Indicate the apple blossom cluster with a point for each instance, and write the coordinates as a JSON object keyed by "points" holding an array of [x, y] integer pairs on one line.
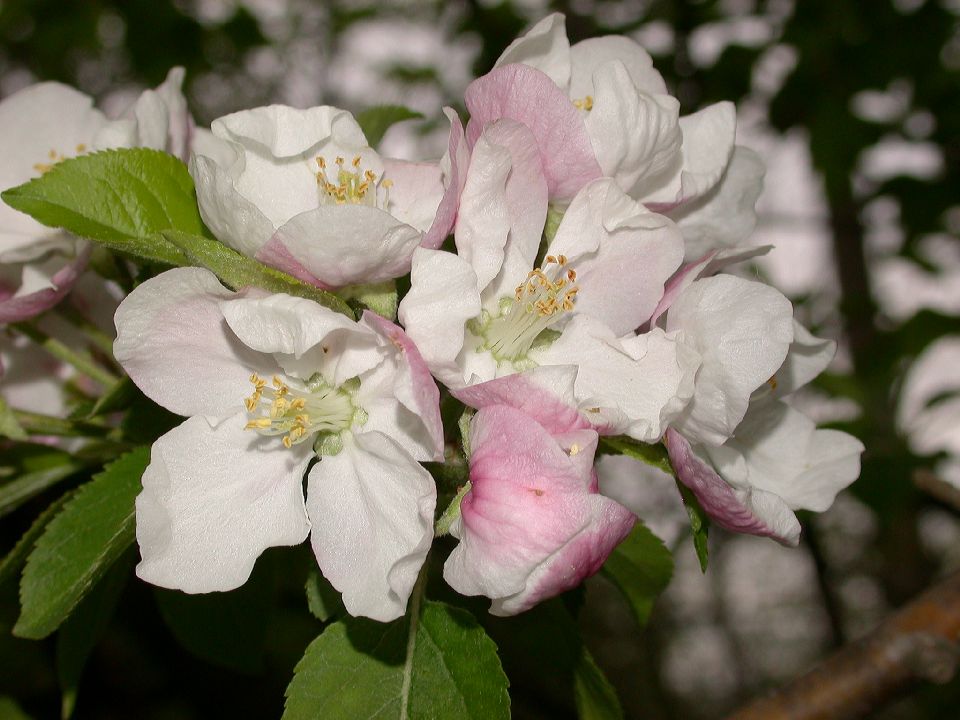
{"points": [[568, 275]]}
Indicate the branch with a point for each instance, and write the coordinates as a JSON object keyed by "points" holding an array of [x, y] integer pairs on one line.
{"points": [[919, 642]]}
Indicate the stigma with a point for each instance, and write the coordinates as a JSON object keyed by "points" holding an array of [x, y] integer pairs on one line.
{"points": [[353, 186], [547, 295], [296, 413]]}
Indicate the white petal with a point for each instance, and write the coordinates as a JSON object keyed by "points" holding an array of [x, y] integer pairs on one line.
{"points": [[544, 47], [213, 499], [648, 377], [636, 136], [725, 216], [176, 346], [708, 137], [807, 357], [350, 244], [742, 329], [587, 55], [235, 220], [282, 323], [443, 296], [416, 191], [778, 449], [40, 120], [371, 508], [622, 254], [287, 132]]}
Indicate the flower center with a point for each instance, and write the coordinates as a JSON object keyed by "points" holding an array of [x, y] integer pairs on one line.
{"points": [[354, 185], [539, 302], [297, 413]]}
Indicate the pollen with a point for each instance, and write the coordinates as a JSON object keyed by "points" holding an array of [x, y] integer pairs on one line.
{"points": [[584, 104]]}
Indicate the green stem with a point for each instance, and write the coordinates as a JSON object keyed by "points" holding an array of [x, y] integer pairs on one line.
{"points": [[80, 361], [452, 512], [37, 424], [97, 337]]}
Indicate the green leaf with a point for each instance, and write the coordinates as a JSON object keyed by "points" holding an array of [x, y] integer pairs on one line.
{"points": [[79, 546], [594, 695], [16, 492], [238, 270], [83, 629], [9, 710], [9, 427], [228, 629], [438, 665], [699, 524], [542, 652], [377, 120], [122, 199], [323, 600], [14, 559], [654, 455], [379, 297], [640, 567]]}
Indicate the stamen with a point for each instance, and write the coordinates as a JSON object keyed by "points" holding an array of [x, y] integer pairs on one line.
{"points": [[353, 186], [585, 104], [297, 413], [539, 302]]}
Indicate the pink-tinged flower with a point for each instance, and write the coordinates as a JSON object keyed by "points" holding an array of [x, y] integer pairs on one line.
{"points": [[301, 190], [488, 312], [532, 524], [42, 125], [599, 108], [268, 383]]}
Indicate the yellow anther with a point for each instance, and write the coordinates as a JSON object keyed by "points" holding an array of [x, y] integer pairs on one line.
{"points": [[258, 424], [339, 160], [387, 184], [52, 154], [81, 148], [356, 161], [321, 162], [574, 450], [585, 104]]}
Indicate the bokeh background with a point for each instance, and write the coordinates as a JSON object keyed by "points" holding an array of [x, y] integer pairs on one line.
{"points": [[855, 106]]}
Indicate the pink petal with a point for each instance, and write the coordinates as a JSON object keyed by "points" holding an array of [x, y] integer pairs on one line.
{"points": [[544, 393], [532, 524], [529, 96], [23, 307], [728, 509], [425, 396], [457, 155]]}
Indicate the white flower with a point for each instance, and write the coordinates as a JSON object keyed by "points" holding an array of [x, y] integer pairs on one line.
{"points": [[488, 312], [268, 382], [301, 190], [749, 457]]}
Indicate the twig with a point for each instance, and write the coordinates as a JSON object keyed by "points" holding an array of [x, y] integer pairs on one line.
{"points": [[919, 642]]}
